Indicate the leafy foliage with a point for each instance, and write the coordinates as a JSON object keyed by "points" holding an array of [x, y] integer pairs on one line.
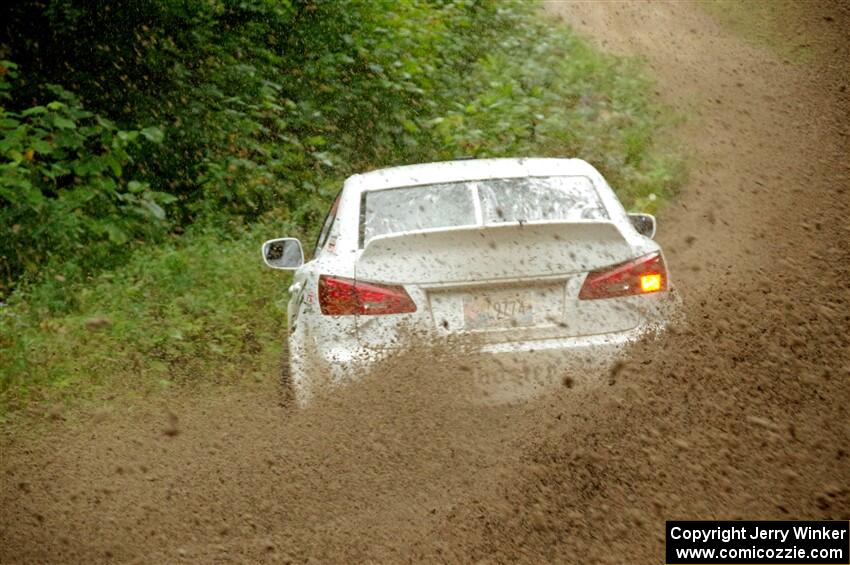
{"points": [[64, 197]]}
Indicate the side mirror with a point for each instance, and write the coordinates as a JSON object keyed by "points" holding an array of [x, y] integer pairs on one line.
{"points": [[644, 224], [284, 253]]}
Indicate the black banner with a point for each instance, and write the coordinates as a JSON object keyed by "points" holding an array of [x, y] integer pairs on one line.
{"points": [[758, 542]]}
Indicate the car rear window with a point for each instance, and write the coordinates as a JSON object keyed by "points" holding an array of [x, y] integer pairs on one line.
{"points": [[416, 208], [524, 199]]}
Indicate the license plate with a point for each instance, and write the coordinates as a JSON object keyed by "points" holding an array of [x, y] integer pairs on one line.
{"points": [[502, 310]]}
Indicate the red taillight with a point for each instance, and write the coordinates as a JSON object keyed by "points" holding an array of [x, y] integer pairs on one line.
{"points": [[643, 275], [339, 297]]}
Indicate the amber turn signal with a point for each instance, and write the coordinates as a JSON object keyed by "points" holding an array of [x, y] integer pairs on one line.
{"points": [[650, 282]]}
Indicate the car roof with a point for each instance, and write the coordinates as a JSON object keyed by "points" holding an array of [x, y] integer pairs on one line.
{"points": [[468, 169]]}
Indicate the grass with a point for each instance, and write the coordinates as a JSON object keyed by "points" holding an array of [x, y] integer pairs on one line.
{"points": [[201, 308]]}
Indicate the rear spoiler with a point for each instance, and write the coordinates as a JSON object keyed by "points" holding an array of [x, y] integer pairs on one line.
{"points": [[492, 252]]}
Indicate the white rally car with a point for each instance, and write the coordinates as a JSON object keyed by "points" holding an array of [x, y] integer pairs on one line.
{"points": [[518, 259]]}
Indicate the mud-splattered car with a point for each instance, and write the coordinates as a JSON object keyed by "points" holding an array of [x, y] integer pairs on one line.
{"points": [[508, 259]]}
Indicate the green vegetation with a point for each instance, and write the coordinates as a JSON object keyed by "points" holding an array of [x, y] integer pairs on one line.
{"points": [[199, 309], [147, 150], [63, 191]]}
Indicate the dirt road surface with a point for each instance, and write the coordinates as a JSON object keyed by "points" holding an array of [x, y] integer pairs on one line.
{"points": [[742, 412]]}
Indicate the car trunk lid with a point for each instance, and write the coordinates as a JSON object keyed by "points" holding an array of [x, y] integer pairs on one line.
{"points": [[497, 282]]}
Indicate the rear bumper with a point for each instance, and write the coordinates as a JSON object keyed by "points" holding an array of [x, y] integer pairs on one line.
{"points": [[500, 372], [509, 372], [593, 344]]}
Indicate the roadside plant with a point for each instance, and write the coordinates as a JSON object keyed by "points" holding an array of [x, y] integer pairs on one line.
{"points": [[66, 204]]}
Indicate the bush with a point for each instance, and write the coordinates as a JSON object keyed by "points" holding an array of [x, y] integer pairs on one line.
{"points": [[65, 203], [541, 91]]}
